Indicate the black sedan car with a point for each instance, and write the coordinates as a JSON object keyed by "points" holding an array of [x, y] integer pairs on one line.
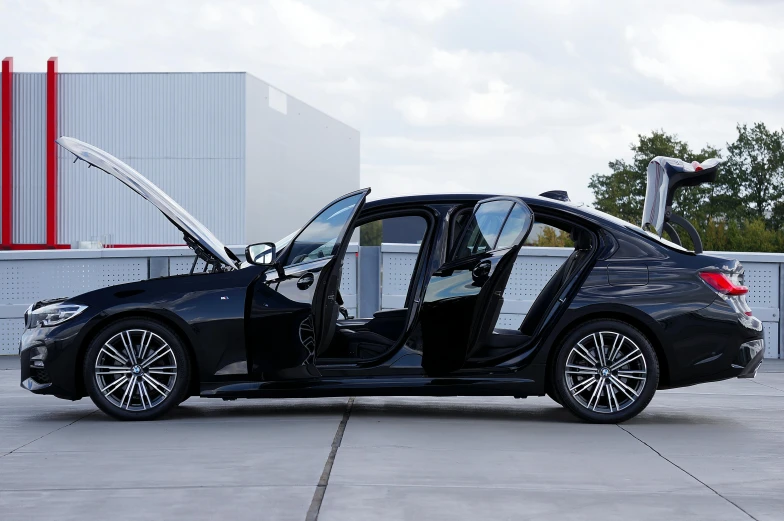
{"points": [[626, 314]]}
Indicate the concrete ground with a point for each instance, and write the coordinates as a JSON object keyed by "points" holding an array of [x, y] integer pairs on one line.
{"points": [[712, 452]]}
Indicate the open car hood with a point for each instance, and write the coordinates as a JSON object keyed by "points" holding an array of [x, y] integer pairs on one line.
{"points": [[196, 234]]}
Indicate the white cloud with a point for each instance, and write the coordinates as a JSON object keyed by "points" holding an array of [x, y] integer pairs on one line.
{"points": [[448, 60], [515, 97], [724, 58], [423, 10], [418, 111], [489, 106], [570, 49], [309, 27]]}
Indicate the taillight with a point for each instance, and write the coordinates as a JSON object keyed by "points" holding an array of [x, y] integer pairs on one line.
{"points": [[722, 283]]}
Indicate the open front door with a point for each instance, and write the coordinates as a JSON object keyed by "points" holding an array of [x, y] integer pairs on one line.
{"points": [[292, 318], [464, 296]]}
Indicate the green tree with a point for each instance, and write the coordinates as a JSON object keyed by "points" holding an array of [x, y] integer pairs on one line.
{"points": [[754, 174], [548, 236], [742, 211], [622, 191], [370, 234]]}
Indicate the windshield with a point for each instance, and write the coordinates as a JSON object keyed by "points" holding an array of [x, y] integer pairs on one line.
{"points": [[320, 237], [282, 243]]}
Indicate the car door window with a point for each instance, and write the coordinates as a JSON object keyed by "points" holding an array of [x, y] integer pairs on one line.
{"points": [[549, 235], [319, 238], [482, 231], [516, 224]]}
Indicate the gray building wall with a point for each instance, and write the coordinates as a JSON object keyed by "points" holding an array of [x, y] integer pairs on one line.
{"points": [[297, 160], [250, 166], [29, 158], [184, 132]]}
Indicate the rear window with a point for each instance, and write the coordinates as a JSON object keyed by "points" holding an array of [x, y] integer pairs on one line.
{"points": [[632, 227]]}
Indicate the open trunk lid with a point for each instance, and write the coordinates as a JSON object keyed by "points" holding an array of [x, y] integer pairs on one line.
{"points": [[666, 175]]}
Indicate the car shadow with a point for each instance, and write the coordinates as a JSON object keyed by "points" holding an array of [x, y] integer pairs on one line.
{"points": [[389, 408]]}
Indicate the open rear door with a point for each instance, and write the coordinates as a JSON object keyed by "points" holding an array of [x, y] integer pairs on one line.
{"points": [[464, 296]]}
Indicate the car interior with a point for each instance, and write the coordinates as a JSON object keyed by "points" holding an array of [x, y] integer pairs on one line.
{"points": [[368, 337], [365, 338], [501, 341]]}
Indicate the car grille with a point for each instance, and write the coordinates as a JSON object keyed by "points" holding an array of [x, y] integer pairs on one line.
{"points": [[40, 375]]}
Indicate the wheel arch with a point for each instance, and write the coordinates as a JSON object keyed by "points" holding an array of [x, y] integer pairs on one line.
{"points": [[105, 321], [645, 324]]}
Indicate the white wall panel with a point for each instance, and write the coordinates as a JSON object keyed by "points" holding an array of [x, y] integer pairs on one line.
{"points": [[349, 281], [771, 332], [27, 281], [763, 282], [185, 132], [10, 334], [296, 163], [397, 267]]}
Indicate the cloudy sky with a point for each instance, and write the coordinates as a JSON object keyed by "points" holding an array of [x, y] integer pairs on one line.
{"points": [[508, 96]]}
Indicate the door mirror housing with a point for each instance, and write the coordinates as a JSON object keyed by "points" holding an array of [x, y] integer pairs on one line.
{"points": [[263, 254]]}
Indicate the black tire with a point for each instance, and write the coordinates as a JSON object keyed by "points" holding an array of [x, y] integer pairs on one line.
{"points": [[163, 382], [595, 391]]}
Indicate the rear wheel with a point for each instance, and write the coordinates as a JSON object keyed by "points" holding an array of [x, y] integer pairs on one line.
{"points": [[606, 371], [136, 369]]}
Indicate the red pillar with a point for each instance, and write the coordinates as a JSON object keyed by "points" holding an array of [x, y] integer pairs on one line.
{"points": [[51, 153], [5, 109]]}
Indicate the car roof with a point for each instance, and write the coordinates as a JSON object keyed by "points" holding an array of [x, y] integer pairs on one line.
{"points": [[467, 198]]}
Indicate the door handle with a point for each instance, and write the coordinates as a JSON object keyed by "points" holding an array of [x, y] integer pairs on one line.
{"points": [[481, 271], [305, 281]]}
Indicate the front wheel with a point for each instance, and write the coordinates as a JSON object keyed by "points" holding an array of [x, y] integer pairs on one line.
{"points": [[606, 371], [136, 369]]}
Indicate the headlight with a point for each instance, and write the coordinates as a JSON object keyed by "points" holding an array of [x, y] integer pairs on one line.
{"points": [[52, 315]]}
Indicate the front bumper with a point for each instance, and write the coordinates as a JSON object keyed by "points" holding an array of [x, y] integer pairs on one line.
{"points": [[32, 361], [48, 360]]}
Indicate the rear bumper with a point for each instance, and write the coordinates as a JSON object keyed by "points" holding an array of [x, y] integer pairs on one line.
{"points": [[749, 358]]}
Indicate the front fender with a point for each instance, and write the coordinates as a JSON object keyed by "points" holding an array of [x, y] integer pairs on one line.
{"points": [[207, 310]]}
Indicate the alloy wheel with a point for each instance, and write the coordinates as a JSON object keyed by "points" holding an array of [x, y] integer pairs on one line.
{"points": [[605, 372], [135, 370]]}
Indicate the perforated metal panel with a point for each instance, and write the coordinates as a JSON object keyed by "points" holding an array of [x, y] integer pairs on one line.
{"points": [[529, 276], [26, 281], [182, 265], [771, 332], [396, 271], [509, 320], [10, 333], [763, 282], [348, 281]]}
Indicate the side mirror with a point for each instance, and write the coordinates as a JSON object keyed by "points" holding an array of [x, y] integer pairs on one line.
{"points": [[263, 254]]}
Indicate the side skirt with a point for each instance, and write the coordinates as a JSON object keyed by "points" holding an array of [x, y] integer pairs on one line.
{"points": [[400, 386]]}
